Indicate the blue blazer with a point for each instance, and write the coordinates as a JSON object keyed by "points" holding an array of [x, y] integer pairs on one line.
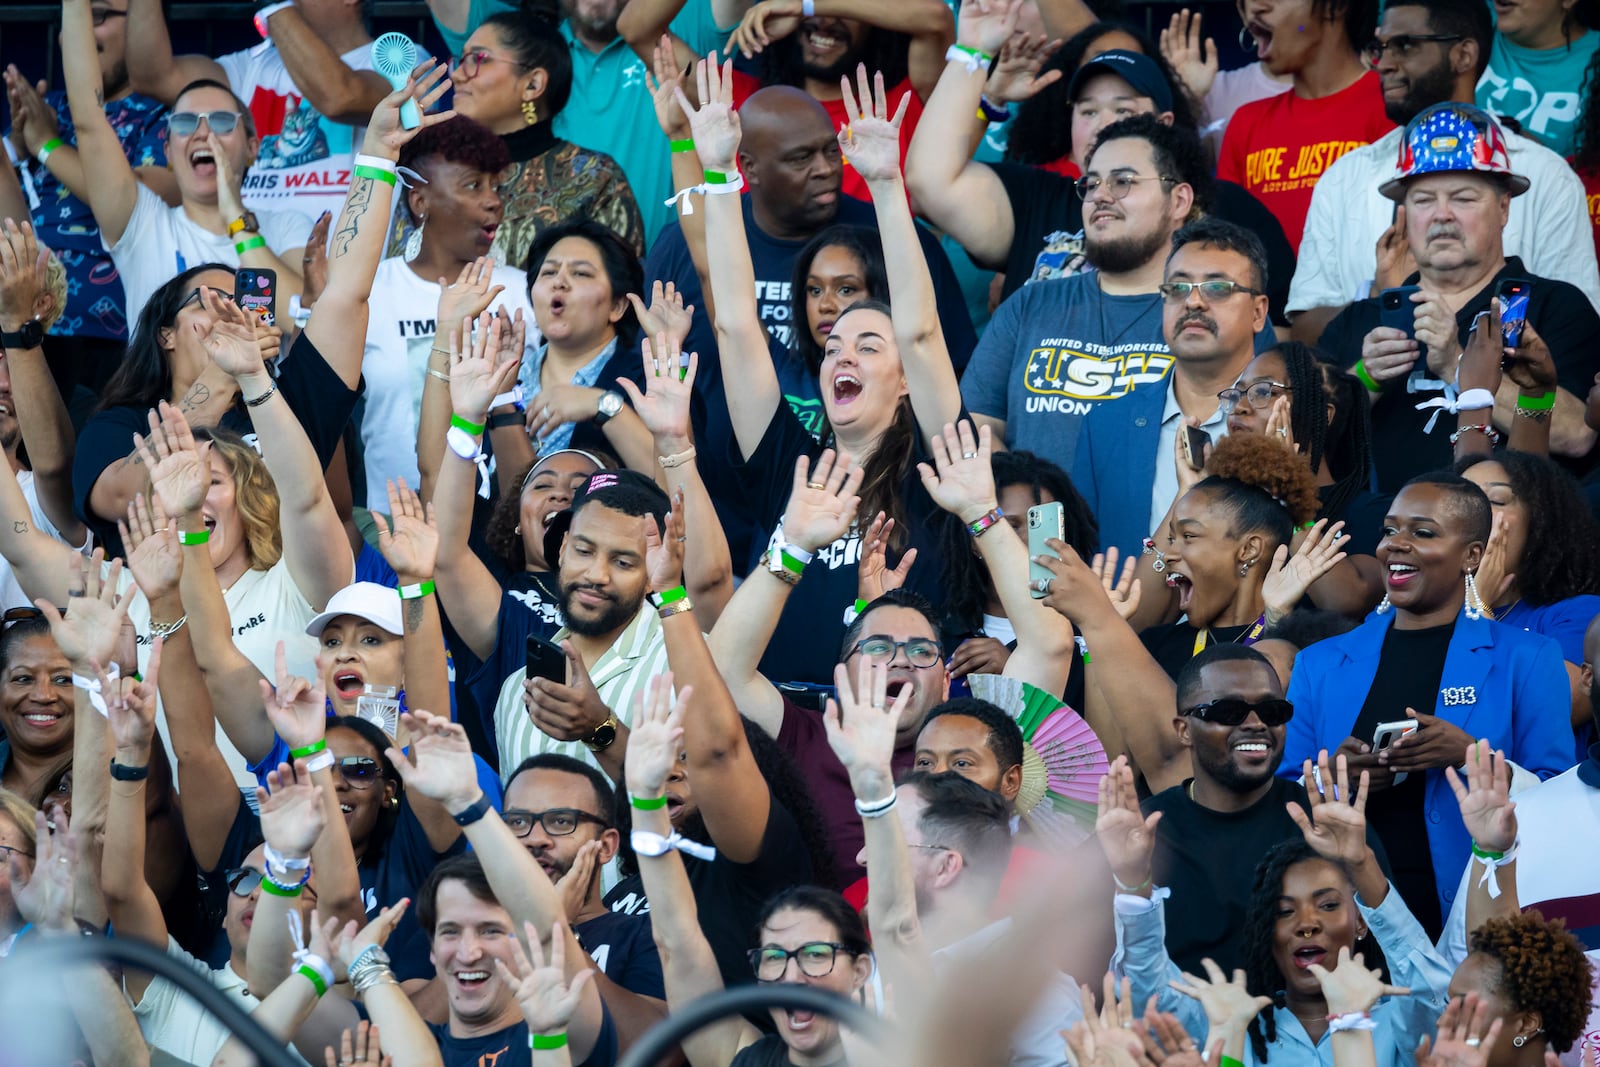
{"points": [[1500, 684], [1115, 465]]}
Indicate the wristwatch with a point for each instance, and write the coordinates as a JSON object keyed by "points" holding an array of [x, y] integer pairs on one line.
{"points": [[244, 223], [29, 335], [469, 815], [604, 734], [610, 404]]}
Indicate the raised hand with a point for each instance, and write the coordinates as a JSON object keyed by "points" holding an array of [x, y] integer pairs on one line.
{"points": [[1228, 1005], [1168, 1044], [1491, 577], [961, 480], [715, 123], [1465, 1035], [31, 118], [1192, 57], [664, 410], [667, 314], [1078, 591], [1123, 592], [296, 707], [89, 631], [822, 508], [1126, 835], [1482, 356], [862, 724], [1339, 834], [180, 471], [360, 1048], [874, 576], [1280, 423], [464, 299], [131, 709], [230, 338], [314, 264], [292, 816], [655, 739], [987, 24], [24, 289], [1350, 987], [385, 135], [1288, 577], [1486, 805], [546, 998], [1016, 76], [45, 893], [1530, 364], [410, 544], [351, 942], [871, 142], [440, 766], [663, 77], [765, 21], [663, 552], [481, 368], [1106, 1038]]}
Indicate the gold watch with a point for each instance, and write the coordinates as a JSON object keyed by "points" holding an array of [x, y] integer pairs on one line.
{"points": [[604, 735]]}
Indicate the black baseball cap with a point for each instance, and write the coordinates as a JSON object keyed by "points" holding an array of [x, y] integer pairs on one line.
{"points": [[624, 490], [1135, 68]]}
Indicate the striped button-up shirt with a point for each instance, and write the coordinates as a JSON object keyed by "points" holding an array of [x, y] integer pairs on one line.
{"points": [[638, 654]]}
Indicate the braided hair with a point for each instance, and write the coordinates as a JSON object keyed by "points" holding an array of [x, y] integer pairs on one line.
{"points": [[1348, 444]]}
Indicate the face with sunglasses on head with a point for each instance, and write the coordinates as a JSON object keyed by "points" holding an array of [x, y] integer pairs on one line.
{"points": [[1233, 724], [206, 123]]}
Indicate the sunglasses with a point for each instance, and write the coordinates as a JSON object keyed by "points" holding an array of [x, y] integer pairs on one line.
{"points": [[184, 123], [1231, 711], [242, 881], [194, 297], [19, 615], [362, 772]]}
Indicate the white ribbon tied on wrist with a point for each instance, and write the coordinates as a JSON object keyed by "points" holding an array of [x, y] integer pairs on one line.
{"points": [[1488, 878], [303, 956], [92, 686], [974, 60], [463, 445], [1454, 403], [649, 843], [704, 189]]}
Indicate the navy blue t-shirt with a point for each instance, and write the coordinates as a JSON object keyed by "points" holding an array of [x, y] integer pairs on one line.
{"points": [[509, 1047], [623, 947], [530, 605]]}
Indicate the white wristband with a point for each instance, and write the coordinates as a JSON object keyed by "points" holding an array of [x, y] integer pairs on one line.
{"points": [[382, 164], [319, 762], [266, 13], [974, 60], [464, 445]]}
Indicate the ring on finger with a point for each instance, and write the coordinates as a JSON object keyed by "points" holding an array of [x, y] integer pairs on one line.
{"points": [[816, 485], [1473, 1042], [969, 455]]}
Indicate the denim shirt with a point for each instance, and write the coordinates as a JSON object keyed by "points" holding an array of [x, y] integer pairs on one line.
{"points": [[1401, 1021], [587, 376]]}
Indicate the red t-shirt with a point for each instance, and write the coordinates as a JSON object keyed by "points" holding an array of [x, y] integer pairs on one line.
{"points": [[1278, 147], [1591, 189], [744, 85]]}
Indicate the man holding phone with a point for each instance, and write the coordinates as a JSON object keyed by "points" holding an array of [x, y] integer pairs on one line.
{"points": [[1456, 186]]}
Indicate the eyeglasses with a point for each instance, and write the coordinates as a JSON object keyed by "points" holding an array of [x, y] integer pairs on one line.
{"points": [[19, 615], [101, 14], [469, 63], [184, 123], [921, 652], [1404, 44], [361, 772], [557, 822], [242, 881], [1118, 185], [1211, 292], [1231, 711], [1259, 394], [194, 296], [816, 959], [8, 851]]}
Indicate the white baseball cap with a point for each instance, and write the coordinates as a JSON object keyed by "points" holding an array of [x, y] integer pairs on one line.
{"points": [[378, 604]]}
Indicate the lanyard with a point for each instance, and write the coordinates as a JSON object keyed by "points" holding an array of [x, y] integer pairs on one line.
{"points": [[1249, 637]]}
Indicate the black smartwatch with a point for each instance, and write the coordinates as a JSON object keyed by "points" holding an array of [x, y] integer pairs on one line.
{"points": [[479, 809], [124, 773], [30, 335]]}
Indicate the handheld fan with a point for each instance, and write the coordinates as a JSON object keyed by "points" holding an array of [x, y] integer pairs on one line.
{"points": [[394, 55], [1062, 759]]}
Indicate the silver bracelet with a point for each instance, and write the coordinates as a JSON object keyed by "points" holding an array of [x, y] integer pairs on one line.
{"points": [[370, 968], [166, 629], [263, 398]]}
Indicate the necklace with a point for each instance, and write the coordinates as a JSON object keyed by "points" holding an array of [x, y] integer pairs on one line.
{"points": [[1249, 636]]}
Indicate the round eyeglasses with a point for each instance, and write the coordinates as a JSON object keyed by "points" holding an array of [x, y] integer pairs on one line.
{"points": [[1118, 185], [881, 648]]}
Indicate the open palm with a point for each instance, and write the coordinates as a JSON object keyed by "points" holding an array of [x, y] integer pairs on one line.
{"points": [[715, 123], [871, 142]]}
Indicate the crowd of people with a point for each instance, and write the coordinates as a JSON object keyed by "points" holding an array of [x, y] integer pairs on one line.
{"points": [[1133, 531]]}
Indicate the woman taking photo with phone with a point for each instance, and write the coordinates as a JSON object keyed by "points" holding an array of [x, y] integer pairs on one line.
{"points": [[1429, 661]]}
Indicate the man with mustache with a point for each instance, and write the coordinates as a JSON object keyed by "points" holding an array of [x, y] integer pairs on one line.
{"points": [[1428, 52], [1455, 184], [1213, 308]]}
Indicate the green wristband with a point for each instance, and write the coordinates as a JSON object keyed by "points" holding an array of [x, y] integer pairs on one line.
{"points": [[716, 177], [685, 145], [249, 244], [668, 596], [1483, 855], [1228, 1061], [310, 974], [1366, 379], [547, 1041], [374, 173], [310, 750], [474, 428], [193, 537], [48, 147], [648, 803], [1537, 403], [273, 888], [416, 592]]}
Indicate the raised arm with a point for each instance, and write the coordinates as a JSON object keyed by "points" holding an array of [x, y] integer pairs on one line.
{"points": [[821, 507], [152, 68], [43, 565], [292, 818], [961, 197], [46, 429], [338, 325], [687, 963], [961, 480], [113, 192], [741, 339], [871, 145], [320, 75], [298, 1010], [1491, 818], [407, 1037]]}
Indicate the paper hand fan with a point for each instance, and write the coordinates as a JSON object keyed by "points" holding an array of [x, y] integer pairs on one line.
{"points": [[1062, 759], [394, 55]]}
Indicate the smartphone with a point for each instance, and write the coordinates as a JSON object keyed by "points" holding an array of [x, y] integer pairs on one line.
{"points": [[1513, 294], [1396, 310], [254, 290], [1044, 522], [546, 660], [1388, 733], [1195, 442]]}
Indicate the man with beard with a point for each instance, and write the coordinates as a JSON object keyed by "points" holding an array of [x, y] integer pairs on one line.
{"points": [[87, 347], [29, 304], [811, 46], [612, 639], [1213, 309], [1456, 188], [1231, 718], [1428, 52]]}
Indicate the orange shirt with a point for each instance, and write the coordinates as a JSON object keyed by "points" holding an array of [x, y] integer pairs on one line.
{"points": [[1278, 147]]}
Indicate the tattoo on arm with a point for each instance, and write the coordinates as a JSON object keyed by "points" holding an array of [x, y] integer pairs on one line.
{"points": [[413, 615], [19, 527], [354, 208], [197, 395]]}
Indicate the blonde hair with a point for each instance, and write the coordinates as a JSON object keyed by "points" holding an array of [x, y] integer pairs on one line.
{"points": [[20, 812], [255, 496]]}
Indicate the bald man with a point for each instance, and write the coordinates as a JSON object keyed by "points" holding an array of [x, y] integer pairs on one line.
{"points": [[793, 169]]}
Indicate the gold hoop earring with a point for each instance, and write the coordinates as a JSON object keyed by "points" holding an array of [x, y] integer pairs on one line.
{"points": [[530, 112]]}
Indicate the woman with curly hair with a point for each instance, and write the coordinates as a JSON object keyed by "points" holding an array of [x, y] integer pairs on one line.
{"points": [[1542, 570], [1533, 976]]}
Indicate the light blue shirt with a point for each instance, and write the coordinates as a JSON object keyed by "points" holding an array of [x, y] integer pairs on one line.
{"points": [[1401, 1021], [1165, 488], [587, 376]]}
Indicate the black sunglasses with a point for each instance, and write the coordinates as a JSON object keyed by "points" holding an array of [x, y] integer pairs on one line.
{"points": [[242, 881], [1231, 711], [360, 771], [19, 615]]}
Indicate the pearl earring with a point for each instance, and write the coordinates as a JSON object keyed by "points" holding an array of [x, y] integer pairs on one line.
{"points": [[1383, 605]]}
